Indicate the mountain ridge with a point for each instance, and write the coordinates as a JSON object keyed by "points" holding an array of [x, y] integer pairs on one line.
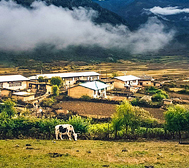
{"points": [[134, 19], [104, 15]]}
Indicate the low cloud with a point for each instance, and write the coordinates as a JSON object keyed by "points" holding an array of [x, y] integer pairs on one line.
{"points": [[23, 29], [168, 10]]}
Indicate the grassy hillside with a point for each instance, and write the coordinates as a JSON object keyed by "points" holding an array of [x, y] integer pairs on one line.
{"points": [[49, 54]]}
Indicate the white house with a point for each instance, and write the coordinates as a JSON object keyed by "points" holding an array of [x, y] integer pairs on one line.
{"points": [[93, 89], [125, 81], [71, 77], [13, 82]]}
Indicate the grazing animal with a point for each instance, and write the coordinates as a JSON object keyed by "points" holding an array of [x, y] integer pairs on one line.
{"points": [[65, 129]]}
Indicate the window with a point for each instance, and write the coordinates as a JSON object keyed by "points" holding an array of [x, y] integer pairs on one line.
{"points": [[1, 85], [12, 84]]}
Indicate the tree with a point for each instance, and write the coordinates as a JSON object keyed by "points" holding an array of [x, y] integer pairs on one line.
{"points": [[177, 119], [128, 116], [55, 90], [56, 81], [42, 79], [125, 112], [7, 108], [124, 117], [116, 124]]}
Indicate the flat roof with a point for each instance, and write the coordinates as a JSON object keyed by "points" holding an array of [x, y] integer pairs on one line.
{"points": [[23, 93], [94, 85], [12, 78], [66, 75], [127, 78]]}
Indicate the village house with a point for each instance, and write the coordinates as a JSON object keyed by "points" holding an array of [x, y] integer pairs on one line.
{"points": [[127, 81], [40, 88], [93, 89], [70, 78], [146, 81], [109, 82], [24, 96], [12, 83]]}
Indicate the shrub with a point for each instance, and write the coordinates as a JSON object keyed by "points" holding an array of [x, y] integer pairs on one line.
{"points": [[142, 103], [80, 124], [155, 133], [100, 131], [158, 97], [27, 127], [55, 90], [141, 131], [7, 108], [48, 102], [151, 90], [85, 97], [184, 91]]}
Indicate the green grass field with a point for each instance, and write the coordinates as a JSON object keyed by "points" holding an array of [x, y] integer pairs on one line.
{"points": [[29, 153]]}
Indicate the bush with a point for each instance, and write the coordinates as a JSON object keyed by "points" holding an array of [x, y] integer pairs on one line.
{"points": [[141, 103], [85, 97], [185, 86], [141, 131], [48, 102], [100, 131], [150, 123], [80, 124], [158, 97], [7, 108], [184, 91], [27, 127], [156, 133], [151, 90], [55, 90]]}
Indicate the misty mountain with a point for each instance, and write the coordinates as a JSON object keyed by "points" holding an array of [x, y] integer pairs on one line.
{"points": [[104, 15], [172, 13], [81, 30]]}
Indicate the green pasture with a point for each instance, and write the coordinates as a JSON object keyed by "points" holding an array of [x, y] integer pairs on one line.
{"points": [[30, 153]]}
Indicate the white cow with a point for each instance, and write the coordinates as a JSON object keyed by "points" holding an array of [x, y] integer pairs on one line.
{"points": [[65, 129]]}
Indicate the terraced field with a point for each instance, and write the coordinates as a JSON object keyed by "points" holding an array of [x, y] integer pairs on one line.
{"points": [[101, 110]]}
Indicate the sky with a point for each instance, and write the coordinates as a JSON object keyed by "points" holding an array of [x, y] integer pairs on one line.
{"points": [[23, 29]]}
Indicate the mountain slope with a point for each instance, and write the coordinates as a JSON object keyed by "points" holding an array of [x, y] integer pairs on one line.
{"points": [[50, 33], [137, 12], [104, 15]]}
